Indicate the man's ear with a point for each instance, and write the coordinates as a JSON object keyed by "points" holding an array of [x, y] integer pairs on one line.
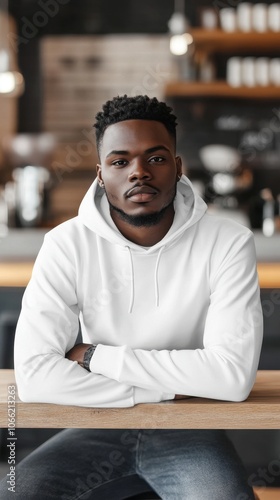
{"points": [[99, 175], [178, 160]]}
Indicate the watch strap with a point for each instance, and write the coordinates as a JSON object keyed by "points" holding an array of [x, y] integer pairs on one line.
{"points": [[87, 356]]}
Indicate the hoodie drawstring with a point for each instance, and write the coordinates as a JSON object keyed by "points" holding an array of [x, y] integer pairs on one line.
{"points": [[132, 290], [156, 276], [132, 280]]}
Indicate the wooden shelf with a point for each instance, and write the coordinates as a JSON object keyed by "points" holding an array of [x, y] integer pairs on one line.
{"points": [[220, 41], [219, 89], [209, 42]]}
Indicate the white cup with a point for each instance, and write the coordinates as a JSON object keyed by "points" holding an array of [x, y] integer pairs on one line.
{"points": [[248, 71], [274, 71], [209, 19], [233, 72], [244, 16], [273, 17], [228, 19], [262, 71], [259, 17]]}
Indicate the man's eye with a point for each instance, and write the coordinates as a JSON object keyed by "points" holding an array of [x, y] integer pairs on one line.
{"points": [[156, 159], [119, 163]]}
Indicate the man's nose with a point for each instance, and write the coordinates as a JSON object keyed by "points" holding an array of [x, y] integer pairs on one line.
{"points": [[140, 170]]}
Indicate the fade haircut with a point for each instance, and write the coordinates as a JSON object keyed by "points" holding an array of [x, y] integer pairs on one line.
{"points": [[140, 107]]}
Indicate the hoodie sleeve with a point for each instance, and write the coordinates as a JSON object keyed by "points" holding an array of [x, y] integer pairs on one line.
{"points": [[47, 329], [226, 367]]}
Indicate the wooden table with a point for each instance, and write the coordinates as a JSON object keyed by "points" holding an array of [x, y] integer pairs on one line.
{"points": [[260, 411]]}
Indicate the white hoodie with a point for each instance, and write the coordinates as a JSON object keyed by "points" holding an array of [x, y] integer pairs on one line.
{"points": [[180, 317]]}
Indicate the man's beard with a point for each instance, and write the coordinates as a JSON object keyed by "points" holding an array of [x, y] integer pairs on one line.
{"points": [[145, 220]]}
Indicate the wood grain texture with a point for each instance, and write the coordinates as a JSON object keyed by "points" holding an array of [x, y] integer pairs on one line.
{"points": [[260, 411]]}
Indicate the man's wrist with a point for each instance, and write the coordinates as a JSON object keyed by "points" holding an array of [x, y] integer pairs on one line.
{"points": [[87, 356]]}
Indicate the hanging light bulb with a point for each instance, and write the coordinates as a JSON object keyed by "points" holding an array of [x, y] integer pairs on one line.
{"points": [[179, 26], [11, 80]]}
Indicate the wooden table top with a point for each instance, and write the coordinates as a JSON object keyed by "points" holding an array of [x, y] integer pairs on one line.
{"points": [[260, 411]]}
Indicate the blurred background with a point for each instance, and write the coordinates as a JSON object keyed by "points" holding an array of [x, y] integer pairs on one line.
{"points": [[72, 57], [217, 63]]}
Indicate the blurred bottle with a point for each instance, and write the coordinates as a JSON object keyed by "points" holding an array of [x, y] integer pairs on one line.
{"points": [[3, 214], [268, 222], [30, 193], [277, 215]]}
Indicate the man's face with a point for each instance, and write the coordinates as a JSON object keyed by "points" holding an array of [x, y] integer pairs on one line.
{"points": [[138, 166]]}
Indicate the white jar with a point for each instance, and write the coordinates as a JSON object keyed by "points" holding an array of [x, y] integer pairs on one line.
{"points": [[233, 72], [273, 17], [274, 71], [248, 71], [209, 19], [228, 19], [244, 16], [262, 71], [259, 17]]}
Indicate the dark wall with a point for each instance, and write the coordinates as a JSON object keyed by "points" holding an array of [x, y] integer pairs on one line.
{"points": [[111, 16], [103, 16]]}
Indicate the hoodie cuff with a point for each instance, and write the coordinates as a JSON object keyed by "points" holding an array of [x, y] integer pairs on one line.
{"points": [[146, 396], [107, 361]]}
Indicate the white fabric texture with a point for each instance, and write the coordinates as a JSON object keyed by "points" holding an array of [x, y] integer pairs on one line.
{"points": [[180, 317]]}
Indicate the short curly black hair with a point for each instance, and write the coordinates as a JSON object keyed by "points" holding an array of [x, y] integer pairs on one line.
{"points": [[140, 107]]}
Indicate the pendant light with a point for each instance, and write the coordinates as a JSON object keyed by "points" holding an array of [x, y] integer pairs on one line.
{"points": [[179, 26], [11, 80]]}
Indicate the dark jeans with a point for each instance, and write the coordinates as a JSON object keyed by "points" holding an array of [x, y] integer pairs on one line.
{"points": [[104, 464]]}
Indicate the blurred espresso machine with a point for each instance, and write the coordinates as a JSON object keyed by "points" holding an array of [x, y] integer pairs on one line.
{"points": [[227, 180], [26, 195]]}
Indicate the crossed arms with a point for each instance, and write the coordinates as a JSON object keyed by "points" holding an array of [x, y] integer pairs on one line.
{"points": [[47, 362]]}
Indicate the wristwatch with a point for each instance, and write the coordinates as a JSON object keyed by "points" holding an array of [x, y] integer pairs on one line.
{"points": [[87, 356]]}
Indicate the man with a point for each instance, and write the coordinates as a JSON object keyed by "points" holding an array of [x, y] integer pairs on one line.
{"points": [[168, 301]]}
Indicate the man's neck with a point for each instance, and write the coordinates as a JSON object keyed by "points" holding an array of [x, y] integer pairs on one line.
{"points": [[145, 236]]}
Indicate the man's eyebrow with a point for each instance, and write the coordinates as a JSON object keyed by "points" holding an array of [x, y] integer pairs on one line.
{"points": [[157, 148], [125, 153], [117, 152]]}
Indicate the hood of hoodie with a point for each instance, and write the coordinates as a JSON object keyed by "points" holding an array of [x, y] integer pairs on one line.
{"points": [[95, 214]]}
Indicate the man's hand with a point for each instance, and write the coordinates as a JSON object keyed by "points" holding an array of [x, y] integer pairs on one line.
{"points": [[77, 353]]}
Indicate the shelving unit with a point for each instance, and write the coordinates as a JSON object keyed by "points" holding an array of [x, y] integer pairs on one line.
{"points": [[219, 41], [210, 42], [220, 89]]}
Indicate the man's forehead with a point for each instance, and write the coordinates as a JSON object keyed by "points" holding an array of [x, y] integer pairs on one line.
{"points": [[122, 134]]}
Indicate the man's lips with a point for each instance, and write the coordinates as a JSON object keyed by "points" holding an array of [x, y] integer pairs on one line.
{"points": [[140, 190], [141, 194]]}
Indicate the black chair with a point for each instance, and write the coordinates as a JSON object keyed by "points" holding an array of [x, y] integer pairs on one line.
{"points": [[8, 322]]}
